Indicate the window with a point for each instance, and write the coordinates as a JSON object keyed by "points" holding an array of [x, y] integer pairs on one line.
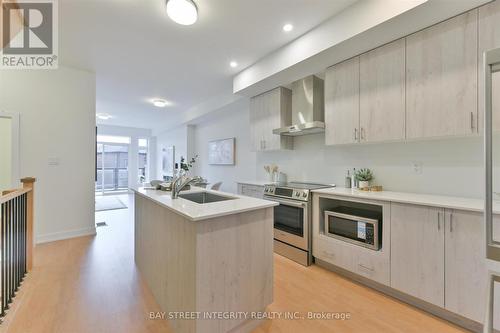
{"points": [[113, 139], [143, 172]]}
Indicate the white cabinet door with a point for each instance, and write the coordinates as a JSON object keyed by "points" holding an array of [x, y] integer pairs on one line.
{"points": [[489, 38], [382, 93], [269, 111], [417, 251], [441, 79], [466, 266], [342, 103], [255, 123], [277, 114]]}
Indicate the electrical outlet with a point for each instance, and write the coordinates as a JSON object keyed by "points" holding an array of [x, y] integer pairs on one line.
{"points": [[418, 168], [54, 161]]}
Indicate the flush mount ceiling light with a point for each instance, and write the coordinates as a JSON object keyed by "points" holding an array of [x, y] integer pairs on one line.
{"points": [[159, 103], [103, 116], [287, 27], [233, 64], [183, 12]]}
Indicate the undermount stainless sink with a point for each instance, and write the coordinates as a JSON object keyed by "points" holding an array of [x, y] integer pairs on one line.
{"points": [[204, 197]]}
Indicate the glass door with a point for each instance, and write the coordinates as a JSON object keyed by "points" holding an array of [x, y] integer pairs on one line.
{"points": [[115, 168], [112, 167]]}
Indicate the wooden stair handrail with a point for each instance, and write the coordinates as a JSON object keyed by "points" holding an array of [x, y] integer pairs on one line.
{"points": [[11, 194]]}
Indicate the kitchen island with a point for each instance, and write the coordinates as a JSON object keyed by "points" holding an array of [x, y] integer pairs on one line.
{"points": [[207, 258]]}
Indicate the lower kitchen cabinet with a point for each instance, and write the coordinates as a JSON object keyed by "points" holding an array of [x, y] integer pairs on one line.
{"points": [[255, 191], [370, 264], [466, 267], [417, 251]]}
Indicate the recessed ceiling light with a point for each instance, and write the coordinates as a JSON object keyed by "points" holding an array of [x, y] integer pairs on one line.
{"points": [[183, 12], [160, 103], [103, 116], [287, 27], [233, 64]]}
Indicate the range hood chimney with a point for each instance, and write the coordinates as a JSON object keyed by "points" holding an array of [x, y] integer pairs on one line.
{"points": [[308, 106]]}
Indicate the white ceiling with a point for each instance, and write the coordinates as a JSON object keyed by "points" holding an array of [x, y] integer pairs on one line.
{"points": [[138, 53]]}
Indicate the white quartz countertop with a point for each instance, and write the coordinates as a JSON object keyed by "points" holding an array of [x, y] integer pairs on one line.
{"points": [[197, 212], [256, 182], [469, 204]]}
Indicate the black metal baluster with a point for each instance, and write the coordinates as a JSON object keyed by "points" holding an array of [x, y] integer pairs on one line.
{"points": [[18, 252], [2, 267], [11, 251], [11, 276], [5, 250], [14, 234], [23, 244], [7, 253]]}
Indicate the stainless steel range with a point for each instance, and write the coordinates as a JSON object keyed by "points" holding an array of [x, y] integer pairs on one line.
{"points": [[292, 219]]}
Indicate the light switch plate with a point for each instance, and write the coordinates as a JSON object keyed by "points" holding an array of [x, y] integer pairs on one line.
{"points": [[54, 161]]}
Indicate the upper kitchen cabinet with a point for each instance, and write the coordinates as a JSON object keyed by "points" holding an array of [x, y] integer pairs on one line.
{"points": [[268, 111], [342, 103], [489, 38], [382, 93], [441, 79]]}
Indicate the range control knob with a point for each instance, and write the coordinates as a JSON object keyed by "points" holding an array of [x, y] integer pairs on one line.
{"points": [[304, 194]]}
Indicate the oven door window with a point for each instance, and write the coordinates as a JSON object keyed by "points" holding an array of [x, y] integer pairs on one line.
{"points": [[289, 219]]}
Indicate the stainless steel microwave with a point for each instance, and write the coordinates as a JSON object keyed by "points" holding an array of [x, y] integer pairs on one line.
{"points": [[356, 226]]}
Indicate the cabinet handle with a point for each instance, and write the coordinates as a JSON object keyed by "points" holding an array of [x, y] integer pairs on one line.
{"points": [[439, 221], [472, 121], [451, 222], [363, 134], [355, 134], [367, 268]]}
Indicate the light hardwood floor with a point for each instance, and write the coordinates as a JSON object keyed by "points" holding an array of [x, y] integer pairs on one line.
{"points": [[90, 284]]}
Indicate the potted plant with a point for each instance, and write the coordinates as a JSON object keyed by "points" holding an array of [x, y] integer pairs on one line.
{"points": [[364, 176]]}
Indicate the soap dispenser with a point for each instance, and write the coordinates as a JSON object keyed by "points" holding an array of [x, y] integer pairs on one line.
{"points": [[354, 183], [348, 180]]}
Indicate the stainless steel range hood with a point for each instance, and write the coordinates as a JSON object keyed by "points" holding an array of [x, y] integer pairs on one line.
{"points": [[308, 105]]}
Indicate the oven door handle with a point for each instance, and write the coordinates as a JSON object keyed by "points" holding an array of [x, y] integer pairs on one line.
{"points": [[287, 202]]}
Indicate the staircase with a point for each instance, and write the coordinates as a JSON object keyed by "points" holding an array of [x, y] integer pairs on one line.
{"points": [[16, 240]]}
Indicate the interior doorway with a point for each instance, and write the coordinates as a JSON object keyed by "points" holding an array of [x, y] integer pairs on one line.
{"points": [[9, 151]]}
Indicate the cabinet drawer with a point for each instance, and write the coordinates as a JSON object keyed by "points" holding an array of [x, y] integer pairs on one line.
{"points": [[373, 265], [333, 252]]}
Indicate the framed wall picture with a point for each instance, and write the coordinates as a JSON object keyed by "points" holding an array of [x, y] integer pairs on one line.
{"points": [[168, 161], [221, 152]]}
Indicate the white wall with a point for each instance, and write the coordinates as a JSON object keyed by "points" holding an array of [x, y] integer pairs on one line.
{"points": [[450, 167], [57, 125], [5, 153], [133, 151], [231, 121], [181, 138]]}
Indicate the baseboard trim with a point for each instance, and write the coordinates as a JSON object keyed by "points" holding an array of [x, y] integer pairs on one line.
{"points": [[413, 301], [65, 235]]}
